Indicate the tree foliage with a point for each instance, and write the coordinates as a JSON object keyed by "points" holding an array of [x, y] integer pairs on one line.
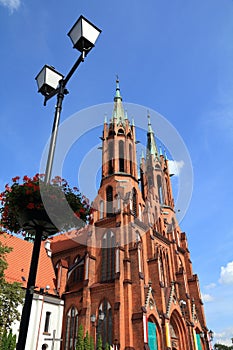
{"points": [[87, 342], [11, 294], [218, 346], [84, 343], [80, 340], [107, 346], [99, 343], [7, 341]]}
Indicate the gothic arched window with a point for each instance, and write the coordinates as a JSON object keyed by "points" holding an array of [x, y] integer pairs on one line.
{"points": [[130, 160], [108, 257], [134, 206], [121, 157], [71, 329], [109, 197], [110, 157], [78, 273], [101, 210], [161, 270], [104, 327], [160, 190]]}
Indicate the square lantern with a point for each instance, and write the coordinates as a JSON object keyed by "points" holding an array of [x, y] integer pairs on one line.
{"points": [[48, 80], [84, 34]]}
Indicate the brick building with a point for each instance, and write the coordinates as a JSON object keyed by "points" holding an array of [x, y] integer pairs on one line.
{"points": [[128, 277]]}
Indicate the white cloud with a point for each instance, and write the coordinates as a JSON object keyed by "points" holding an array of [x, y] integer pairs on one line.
{"points": [[210, 286], [226, 275], [206, 298], [175, 166], [11, 4], [224, 337]]}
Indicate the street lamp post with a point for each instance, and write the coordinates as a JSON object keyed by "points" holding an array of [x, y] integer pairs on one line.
{"points": [[50, 83]]}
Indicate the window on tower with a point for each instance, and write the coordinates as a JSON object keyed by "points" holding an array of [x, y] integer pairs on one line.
{"points": [[110, 157], [101, 211], [160, 189], [109, 197], [130, 160], [108, 257], [121, 156], [134, 206]]}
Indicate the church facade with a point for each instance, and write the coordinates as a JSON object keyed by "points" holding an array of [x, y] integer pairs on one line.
{"points": [[128, 277]]}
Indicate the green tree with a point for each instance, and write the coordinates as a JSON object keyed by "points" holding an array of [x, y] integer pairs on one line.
{"points": [[7, 341], [80, 340], [219, 346], [92, 345], [87, 342], [99, 343], [107, 346], [11, 294]]}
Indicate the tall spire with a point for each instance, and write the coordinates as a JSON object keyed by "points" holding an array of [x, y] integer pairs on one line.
{"points": [[151, 144], [118, 93], [118, 111]]}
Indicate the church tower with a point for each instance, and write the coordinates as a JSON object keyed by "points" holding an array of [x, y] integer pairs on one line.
{"points": [[130, 281]]}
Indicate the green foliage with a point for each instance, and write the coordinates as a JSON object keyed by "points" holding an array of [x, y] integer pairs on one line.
{"points": [[84, 343], [92, 345], [3, 264], [107, 346], [87, 342], [7, 341], [99, 343], [80, 340], [11, 294], [218, 346]]}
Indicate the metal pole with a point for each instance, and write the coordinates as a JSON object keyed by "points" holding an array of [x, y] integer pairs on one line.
{"points": [[24, 322], [60, 96]]}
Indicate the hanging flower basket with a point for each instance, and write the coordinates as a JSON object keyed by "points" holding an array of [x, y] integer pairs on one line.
{"points": [[33, 204], [32, 219]]}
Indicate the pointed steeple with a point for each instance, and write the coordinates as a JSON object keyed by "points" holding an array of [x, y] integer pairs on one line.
{"points": [[151, 144], [118, 111]]}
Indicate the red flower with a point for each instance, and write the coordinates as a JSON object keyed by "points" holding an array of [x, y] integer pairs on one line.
{"points": [[26, 178], [16, 178], [31, 206]]}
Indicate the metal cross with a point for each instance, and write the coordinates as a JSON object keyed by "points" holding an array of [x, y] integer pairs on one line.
{"points": [[53, 339]]}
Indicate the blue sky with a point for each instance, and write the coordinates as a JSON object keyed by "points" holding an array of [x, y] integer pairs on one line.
{"points": [[174, 57]]}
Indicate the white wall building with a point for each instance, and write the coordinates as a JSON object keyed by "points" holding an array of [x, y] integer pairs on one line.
{"points": [[45, 325]]}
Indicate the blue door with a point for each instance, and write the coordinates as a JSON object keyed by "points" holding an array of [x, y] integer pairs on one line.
{"points": [[198, 342], [152, 339]]}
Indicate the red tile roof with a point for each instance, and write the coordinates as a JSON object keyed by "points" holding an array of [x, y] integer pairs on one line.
{"points": [[69, 240], [19, 263]]}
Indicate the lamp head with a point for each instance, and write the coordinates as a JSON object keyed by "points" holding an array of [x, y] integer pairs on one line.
{"points": [[93, 318], [48, 79], [83, 34], [211, 334]]}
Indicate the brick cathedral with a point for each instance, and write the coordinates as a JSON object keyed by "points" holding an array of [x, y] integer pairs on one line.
{"points": [[128, 277]]}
